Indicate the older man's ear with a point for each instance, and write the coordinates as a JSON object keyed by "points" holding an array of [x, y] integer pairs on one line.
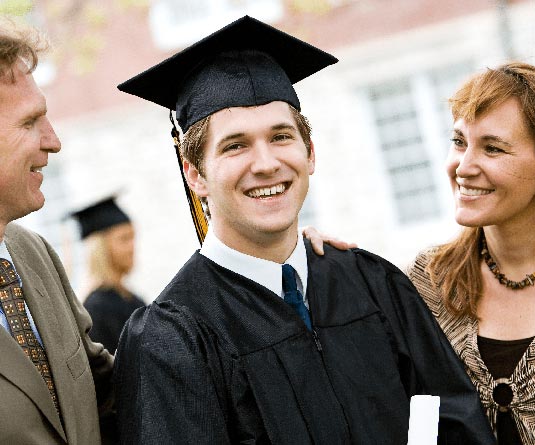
{"points": [[318, 238]]}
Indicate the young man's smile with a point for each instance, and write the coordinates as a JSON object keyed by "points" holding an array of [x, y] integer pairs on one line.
{"points": [[265, 192]]}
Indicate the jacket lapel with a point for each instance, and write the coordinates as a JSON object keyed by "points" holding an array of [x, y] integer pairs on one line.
{"points": [[18, 368], [21, 372]]}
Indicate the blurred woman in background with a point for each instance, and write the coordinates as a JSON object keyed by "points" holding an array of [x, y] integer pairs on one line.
{"points": [[110, 239]]}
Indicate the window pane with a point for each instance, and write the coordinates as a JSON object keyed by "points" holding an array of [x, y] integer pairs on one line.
{"points": [[406, 160]]}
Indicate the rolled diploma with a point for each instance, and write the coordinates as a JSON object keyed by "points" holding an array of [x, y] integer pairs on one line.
{"points": [[423, 420]]}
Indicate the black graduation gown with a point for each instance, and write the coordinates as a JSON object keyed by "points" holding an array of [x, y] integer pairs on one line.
{"points": [[109, 312], [220, 359]]}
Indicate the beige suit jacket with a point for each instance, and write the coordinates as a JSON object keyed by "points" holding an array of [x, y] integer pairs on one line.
{"points": [[27, 414]]}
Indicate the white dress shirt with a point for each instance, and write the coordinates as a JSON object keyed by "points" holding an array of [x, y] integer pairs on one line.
{"points": [[264, 272]]}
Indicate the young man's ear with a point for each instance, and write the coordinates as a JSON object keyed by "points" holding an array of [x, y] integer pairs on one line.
{"points": [[311, 159], [195, 180]]}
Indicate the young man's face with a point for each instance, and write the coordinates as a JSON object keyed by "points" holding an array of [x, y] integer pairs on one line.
{"points": [[256, 170], [26, 139]]}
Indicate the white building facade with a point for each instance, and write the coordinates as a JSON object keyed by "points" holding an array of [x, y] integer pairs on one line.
{"points": [[381, 129]]}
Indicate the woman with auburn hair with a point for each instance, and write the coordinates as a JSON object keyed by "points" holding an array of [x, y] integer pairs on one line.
{"points": [[481, 286]]}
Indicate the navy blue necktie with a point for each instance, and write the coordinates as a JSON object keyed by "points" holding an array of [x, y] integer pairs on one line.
{"points": [[292, 296]]}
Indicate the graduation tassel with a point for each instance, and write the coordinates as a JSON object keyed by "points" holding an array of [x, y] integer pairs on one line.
{"points": [[195, 205]]}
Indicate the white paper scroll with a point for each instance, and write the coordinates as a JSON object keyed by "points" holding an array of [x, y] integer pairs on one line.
{"points": [[423, 421]]}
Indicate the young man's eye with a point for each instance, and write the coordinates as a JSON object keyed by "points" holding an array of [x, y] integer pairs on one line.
{"points": [[282, 137], [231, 147]]}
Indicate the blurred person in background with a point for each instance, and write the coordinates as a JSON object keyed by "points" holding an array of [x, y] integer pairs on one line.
{"points": [[110, 237], [50, 368]]}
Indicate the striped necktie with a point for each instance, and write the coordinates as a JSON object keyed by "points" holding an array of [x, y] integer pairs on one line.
{"points": [[12, 301], [292, 296]]}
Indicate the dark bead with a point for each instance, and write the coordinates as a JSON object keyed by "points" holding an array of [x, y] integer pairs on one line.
{"points": [[493, 267], [502, 395]]}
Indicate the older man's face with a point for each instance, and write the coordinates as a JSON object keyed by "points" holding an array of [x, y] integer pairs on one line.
{"points": [[26, 139]]}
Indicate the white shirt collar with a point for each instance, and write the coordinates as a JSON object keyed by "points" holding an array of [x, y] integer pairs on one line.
{"points": [[264, 272]]}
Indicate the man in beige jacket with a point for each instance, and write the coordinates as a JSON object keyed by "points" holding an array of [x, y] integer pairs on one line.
{"points": [[49, 370]]}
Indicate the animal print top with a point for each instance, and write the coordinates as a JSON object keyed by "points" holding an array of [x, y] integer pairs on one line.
{"points": [[462, 334]]}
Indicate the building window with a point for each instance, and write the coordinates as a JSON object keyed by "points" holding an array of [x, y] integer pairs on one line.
{"points": [[407, 164], [179, 23]]}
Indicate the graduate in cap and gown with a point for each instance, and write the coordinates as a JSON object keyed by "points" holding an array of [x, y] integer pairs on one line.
{"points": [[258, 340], [109, 234]]}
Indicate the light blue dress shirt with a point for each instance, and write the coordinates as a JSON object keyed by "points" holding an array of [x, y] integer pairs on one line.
{"points": [[4, 253]]}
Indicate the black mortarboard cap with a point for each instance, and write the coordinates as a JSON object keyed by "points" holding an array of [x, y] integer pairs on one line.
{"points": [[100, 216], [246, 63]]}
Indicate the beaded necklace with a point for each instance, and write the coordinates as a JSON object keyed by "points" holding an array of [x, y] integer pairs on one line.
{"points": [[514, 285]]}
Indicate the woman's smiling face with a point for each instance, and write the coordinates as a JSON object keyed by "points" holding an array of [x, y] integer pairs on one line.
{"points": [[491, 166]]}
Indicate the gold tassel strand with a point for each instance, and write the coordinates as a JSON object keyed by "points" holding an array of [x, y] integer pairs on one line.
{"points": [[195, 205]]}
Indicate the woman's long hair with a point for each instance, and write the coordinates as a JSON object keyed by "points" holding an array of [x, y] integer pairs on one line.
{"points": [[455, 268], [99, 263]]}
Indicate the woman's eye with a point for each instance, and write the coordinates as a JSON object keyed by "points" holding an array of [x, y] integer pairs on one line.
{"points": [[457, 141], [493, 149]]}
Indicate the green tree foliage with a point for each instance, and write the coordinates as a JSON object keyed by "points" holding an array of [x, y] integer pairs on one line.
{"points": [[16, 8]]}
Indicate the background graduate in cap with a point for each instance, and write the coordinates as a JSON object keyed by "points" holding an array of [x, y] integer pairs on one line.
{"points": [[109, 234], [257, 339]]}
